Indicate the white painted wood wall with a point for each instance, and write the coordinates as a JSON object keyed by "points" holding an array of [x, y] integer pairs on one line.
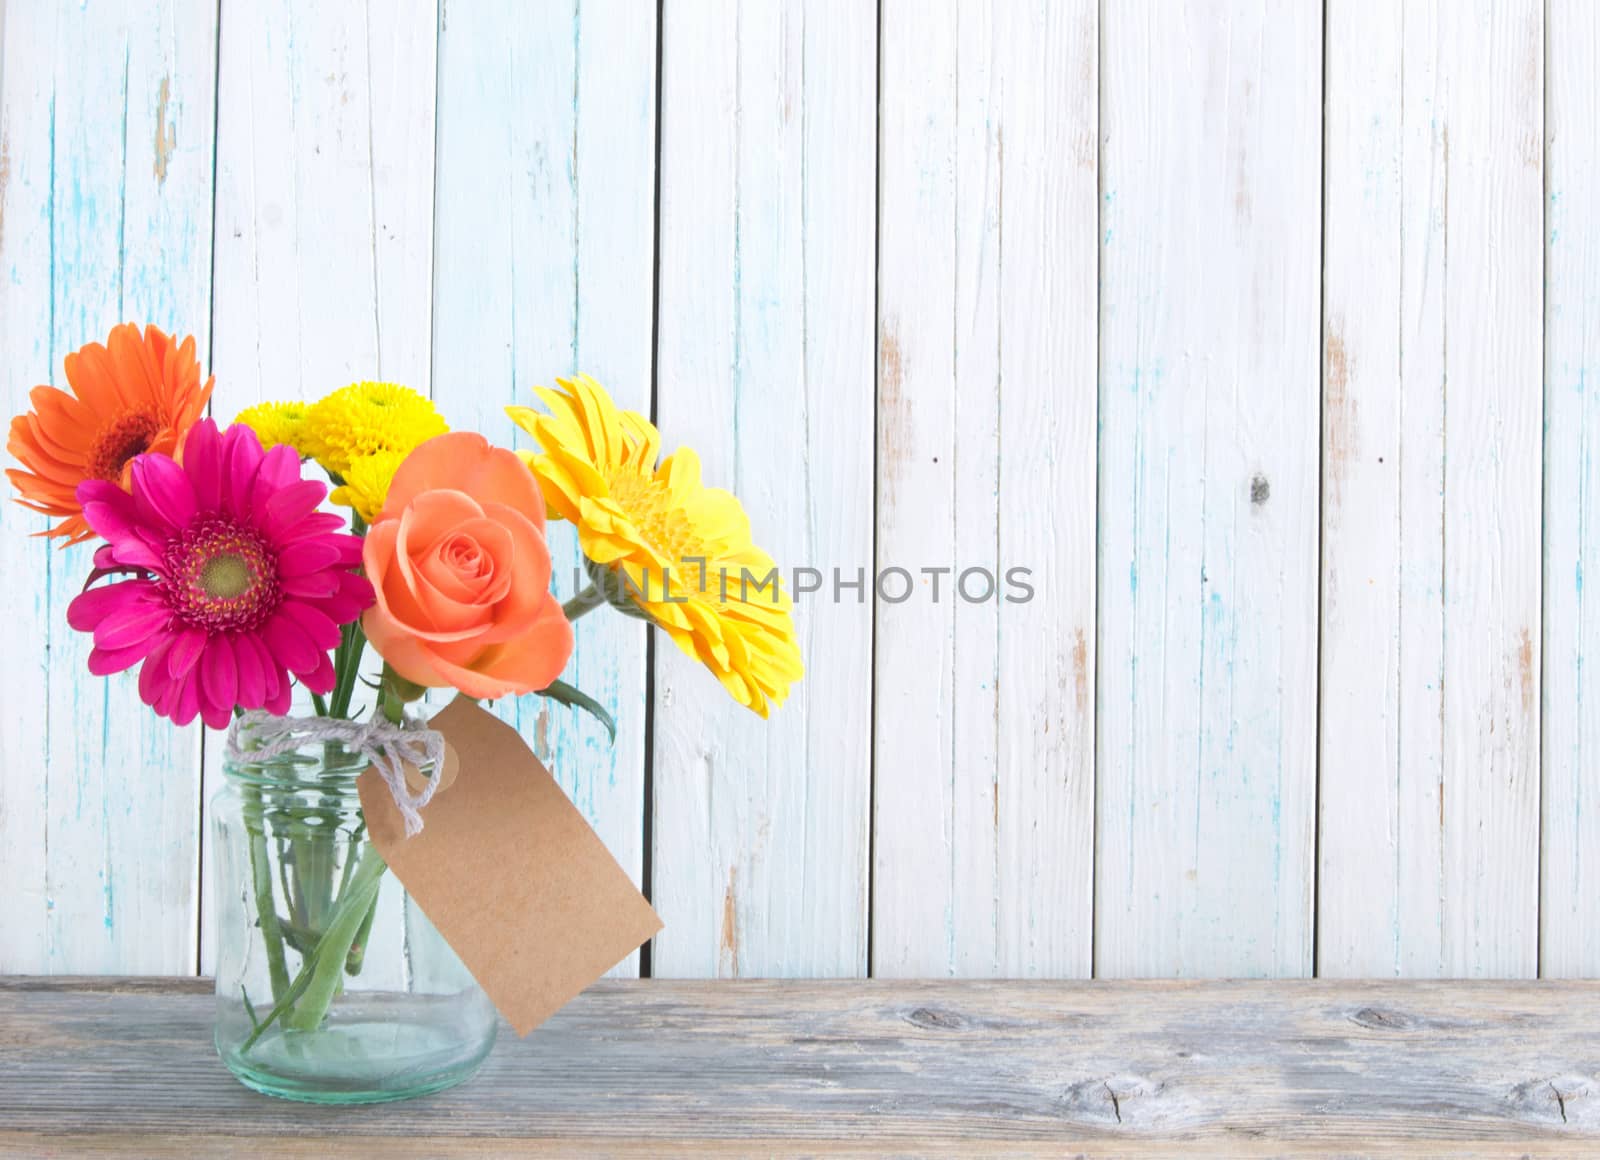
{"points": [[1266, 334]]}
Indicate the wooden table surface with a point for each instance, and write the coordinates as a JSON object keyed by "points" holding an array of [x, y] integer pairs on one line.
{"points": [[660, 1068]]}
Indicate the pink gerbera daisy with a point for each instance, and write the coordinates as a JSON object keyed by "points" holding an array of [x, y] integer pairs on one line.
{"points": [[239, 579]]}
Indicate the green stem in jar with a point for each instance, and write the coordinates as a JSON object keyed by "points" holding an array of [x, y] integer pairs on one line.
{"points": [[327, 961], [261, 881], [357, 954]]}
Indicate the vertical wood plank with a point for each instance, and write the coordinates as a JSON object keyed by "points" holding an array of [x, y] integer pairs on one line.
{"points": [[1208, 488], [765, 368], [988, 249], [27, 132], [1382, 638], [105, 211], [324, 232], [544, 252], [1431, 580], [1571, 734], [1493, 409]]}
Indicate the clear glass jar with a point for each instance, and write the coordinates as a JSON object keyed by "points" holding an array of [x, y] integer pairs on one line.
{"points": [[332, 986]]}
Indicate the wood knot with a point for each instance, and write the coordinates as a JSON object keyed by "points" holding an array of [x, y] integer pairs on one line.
{"points": [[1112, 1099], [936, 1020], [1260, 490], [1560, 1099], [1380, 1019]]}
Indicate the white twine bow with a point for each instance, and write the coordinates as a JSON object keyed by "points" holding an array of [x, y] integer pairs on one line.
{"points": [[258, 736]]}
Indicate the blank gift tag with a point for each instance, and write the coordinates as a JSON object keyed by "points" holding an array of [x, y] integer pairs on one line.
{"points": [[510, 872]]}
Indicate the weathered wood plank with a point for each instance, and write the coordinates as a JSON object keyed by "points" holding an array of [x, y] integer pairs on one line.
{"points": [[1431, 451], [324, 226], [545, 243], [1382, 510], [765, 369], [1208, 488], [1570, 943], [984, 753], [105, 216], [1131, 1068]]}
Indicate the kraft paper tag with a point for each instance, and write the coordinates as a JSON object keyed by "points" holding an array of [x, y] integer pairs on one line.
{"points": [[510, 872]]}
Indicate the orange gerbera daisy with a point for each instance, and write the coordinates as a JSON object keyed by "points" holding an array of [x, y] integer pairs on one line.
{"points": [[137, 393]]}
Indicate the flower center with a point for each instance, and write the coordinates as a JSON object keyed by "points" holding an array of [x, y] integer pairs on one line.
{"points": [[126, 436], [669, 531], [463, 555], [223, 576], [226, 576]]}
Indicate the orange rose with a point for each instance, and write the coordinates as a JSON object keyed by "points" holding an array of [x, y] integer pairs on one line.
{"points": [[462, 573]]}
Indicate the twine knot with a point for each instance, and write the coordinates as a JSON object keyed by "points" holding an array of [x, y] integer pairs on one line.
{"points": [[257, 736]]}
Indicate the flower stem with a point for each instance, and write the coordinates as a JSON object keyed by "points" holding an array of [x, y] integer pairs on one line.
{"points": [[357, 954], [395, 693], [326, 963], [583, 603], [261, 881], [346, 668]]}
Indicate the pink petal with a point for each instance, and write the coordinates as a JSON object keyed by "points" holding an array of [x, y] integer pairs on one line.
{"points": [[215, 716], [289, 644], [273, 676], [187, 705], [355, 596], [109, 523], [89, 608], [322, 631], [163, 492], [321, 679], [202, 459], [241, 459], [104, 662], [280, 467], [350, 550], [318, 584], [219, 676], [316, 524], [186, 649], [106, 492], [289, 505], [306, 557], [137, 553], [279, 701], [130, 626], [153, 678], [252, 678]]}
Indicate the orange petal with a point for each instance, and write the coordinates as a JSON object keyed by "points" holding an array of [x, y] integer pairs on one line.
{"points": [[465, 461]]}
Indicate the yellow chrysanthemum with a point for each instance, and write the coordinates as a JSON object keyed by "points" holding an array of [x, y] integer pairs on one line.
{"points": [[275, 423], [366, 484], [364, 419], [683, 549]]}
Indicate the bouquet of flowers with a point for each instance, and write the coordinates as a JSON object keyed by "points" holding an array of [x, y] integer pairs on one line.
{"points": [[222, 574]]}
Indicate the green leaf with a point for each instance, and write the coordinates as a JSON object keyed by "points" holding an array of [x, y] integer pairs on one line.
{"points": [[565, 694], [249, 1009]]}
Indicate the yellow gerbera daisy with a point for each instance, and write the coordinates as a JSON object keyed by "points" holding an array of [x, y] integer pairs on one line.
{"points": [[366, 484], [364, 419], [275, 423], [681, 550]]}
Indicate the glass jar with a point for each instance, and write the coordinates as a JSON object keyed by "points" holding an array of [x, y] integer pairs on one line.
{"points": [[332, 986]]}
